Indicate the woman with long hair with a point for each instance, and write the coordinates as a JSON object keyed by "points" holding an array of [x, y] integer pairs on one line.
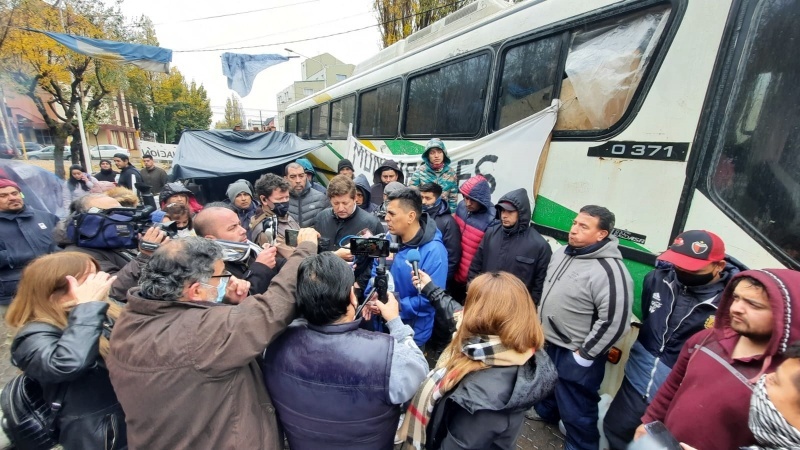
{"points": [[78, 184], [64, 321], [488, 376]]}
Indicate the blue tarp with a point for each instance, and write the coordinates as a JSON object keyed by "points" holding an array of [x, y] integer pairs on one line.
{"points": [[41, 188], [148, 57], [219, 153], [241, 69]]}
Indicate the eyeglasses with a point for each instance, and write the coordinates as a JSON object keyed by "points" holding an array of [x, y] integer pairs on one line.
{"points": [[224, 275]]}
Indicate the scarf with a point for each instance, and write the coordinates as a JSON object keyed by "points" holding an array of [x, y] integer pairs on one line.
{"points": [[485, 348], [768, 425], [436, 167]]}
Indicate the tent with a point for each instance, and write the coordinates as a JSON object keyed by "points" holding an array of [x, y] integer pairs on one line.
{"points": [[41, 188], [215, 158], [217, 153]]}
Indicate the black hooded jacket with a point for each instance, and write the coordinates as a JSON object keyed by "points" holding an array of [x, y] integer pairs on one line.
{"points": [[451, 236], [520, 250], [362, 184], [377, 186]]}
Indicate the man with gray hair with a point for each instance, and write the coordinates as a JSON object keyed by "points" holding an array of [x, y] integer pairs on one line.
{"points": [[183, 366], [304, 202]]}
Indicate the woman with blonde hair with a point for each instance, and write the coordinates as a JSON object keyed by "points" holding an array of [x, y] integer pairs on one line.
{"points": [[64, 321], [488, 376]]}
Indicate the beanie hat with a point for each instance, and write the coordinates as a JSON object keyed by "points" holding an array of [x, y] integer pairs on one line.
{"points": [[5, 182], [236, 188], [345, 163]]}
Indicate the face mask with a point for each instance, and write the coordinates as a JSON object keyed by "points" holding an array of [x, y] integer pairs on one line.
{"points": [[223, 284], [693, 279], [281, 209], [768, 425], [434, 207]]}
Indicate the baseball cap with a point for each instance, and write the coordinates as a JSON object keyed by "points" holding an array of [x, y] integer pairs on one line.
{"points": [[508, 206], [694, 249]]}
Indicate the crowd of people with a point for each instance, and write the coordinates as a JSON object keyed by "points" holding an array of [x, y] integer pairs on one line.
{"points": [[241, 323]]}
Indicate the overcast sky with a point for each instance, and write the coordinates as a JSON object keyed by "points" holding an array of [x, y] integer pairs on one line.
{"points": [[287, 20]]}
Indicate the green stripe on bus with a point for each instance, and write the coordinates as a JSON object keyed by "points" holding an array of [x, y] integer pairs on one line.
{"points": [[401, 147], [330, 147]]}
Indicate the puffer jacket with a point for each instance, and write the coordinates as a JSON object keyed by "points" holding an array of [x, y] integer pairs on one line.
{"points": [[519, 250], [68, 366], [177, 187], [473, 225], [363, 186], [445, 177], [305, 206], [377, 186], [486, 409], [24, 236], [671, 314]]}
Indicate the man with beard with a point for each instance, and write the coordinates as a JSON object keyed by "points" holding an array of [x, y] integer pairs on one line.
{"points": [[705, 400], [223, 224], [304, 202], [128, 175], [25, 233], [152, 175]]}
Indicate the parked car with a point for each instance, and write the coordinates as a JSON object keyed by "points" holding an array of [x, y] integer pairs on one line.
{"points": [[107, 151], [48, 153], [29, 146], [7, 151]]}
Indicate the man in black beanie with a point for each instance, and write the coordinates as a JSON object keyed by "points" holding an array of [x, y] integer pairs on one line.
{"points": [[346, 168]]}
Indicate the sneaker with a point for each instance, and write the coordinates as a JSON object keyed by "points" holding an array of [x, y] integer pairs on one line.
{"points": [[531, 414], [561, 427]]}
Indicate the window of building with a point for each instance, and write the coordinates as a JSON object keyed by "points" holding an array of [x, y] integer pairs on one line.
{"points": [[755, 174], [449, 100], [342, 115], [291, 123], [319, 122], [308, 91], [303, 122], [340, 77], [379, 111], [528, 79]]}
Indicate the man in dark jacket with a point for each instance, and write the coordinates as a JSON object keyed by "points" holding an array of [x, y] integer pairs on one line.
{"points": [[345, 167], [304, 202], [311, 174], [386, 173], [240, 195], [25, 233], [318, 365], [223, 224], [152, 175], [363, 194], [128, 175], [179, 361], [344, 218], [513, 245], [106, 173], [679, 299], [439, 210]]}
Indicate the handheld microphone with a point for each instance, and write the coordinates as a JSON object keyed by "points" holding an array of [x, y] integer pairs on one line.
{"points": [[414, 257]]}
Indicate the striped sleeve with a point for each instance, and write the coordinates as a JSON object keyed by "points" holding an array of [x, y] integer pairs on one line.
{"points": [[612, 289]]}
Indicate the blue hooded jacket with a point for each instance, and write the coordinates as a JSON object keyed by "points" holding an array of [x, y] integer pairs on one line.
{"points": [[415, 309]]}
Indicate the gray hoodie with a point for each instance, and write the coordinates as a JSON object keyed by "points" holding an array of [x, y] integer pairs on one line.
{"points": [[586, 300]]}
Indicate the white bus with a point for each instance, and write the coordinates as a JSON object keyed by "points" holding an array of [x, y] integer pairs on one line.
{"points": [[674, 114]]}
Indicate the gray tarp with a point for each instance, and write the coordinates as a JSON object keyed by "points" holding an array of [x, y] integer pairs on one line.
{"points": [[217, 153]]}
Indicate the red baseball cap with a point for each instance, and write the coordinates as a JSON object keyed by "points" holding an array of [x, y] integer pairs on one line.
{"points": [[694, 249]]}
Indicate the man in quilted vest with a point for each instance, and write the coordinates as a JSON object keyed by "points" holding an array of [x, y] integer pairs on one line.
{"points": [[474, 215]]}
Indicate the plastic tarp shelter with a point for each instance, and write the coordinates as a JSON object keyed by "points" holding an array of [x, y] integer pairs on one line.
{"points": [[221, 153], [41, 188]]}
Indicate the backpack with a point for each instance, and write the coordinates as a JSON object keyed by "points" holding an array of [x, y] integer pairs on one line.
{"points": [[112, 228]]}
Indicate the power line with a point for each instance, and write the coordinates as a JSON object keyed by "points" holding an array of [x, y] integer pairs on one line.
{"points": [[196, 19], [317, 37]]}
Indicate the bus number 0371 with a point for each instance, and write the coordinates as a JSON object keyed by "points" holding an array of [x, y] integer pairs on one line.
{"points": [[662, 151]]}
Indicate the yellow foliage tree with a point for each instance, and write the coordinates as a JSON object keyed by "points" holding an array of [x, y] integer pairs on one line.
{"points": [[400, 18], [55, 78]]}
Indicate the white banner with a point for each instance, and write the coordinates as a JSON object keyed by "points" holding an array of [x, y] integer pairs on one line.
{"points": [[507, 158], [159, 152]]}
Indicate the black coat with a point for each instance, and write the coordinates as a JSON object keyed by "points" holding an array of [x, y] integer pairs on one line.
{"points": [[451, 236], [335, 229], [520, 250], [125, 177], [67, 364]]}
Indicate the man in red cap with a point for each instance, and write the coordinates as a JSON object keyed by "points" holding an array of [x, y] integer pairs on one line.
{"points": [[679, 298], [25, 233]]}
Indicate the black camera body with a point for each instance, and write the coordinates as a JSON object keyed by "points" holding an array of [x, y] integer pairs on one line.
{"points": [[373, 247]]}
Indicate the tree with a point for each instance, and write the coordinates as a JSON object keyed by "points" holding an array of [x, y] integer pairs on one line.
{"points": [[398, 19], [234, 114], [56, 79]]}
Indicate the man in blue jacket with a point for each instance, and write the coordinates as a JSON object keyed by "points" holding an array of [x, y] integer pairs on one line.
{"points": [[413, 230], [25, 233], [679, 298]]}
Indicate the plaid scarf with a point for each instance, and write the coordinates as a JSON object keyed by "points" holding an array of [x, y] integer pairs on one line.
{"points": [[485, 348], [768, 425]]}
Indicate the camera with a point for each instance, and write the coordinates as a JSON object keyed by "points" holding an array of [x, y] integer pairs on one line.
{"points": [[374, 247]]}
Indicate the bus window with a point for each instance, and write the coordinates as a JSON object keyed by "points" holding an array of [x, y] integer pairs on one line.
{"points": [[319, 122], [302, 124], [449, 100], [291, 123], [756, 168], [342, 115], [527, 80], [379, 111], [604, 67]]}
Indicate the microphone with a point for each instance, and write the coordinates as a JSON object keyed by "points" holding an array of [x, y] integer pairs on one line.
{"points": [[413, 257]]}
